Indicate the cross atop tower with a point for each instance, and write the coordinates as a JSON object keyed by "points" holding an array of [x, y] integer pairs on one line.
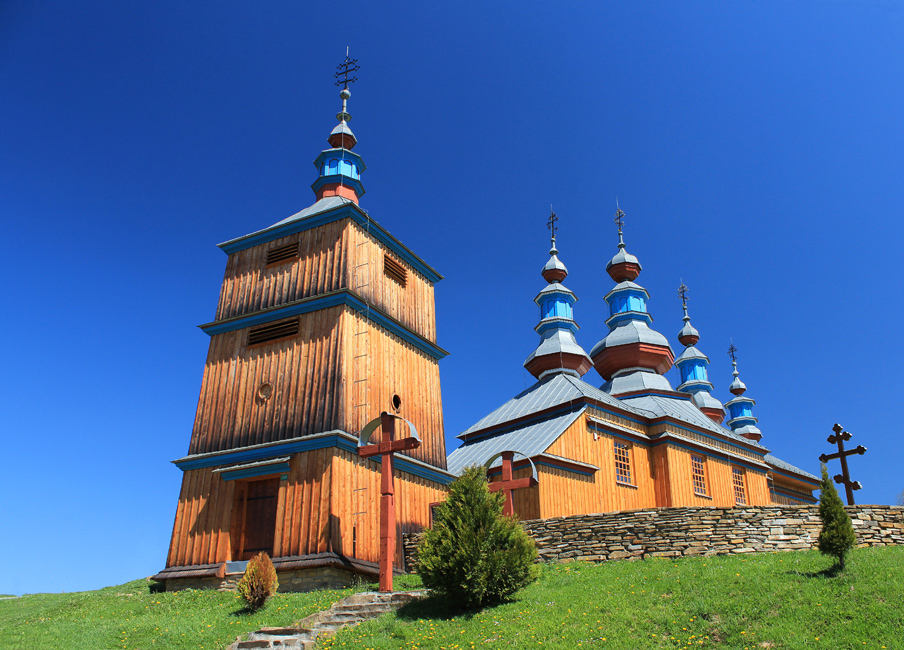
{"points": [[732, 350], [344, 69], [620, 222], [682, 293], [551, 224]]}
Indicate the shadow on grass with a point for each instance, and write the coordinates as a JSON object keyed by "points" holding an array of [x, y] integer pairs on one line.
{"points": [[438, 608], [832, 572]]}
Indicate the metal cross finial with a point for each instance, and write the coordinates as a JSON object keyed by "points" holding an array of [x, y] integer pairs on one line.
{"points": [[619, 219], [732, 350], [551, 223], [344, 69], [682, 293]]}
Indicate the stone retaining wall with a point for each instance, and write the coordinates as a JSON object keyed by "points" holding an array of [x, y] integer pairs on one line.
{"points": [[293, 580], [673, 532]]}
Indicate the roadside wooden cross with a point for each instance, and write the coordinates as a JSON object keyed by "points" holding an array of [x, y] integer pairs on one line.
{"points": [[507, 484], [840, 436], [386, 448]]}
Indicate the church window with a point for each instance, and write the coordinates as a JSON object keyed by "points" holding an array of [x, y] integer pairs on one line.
{"points": [[282, 253], [394, 270], [737, 479], [699, 475], [272, 331], [622, 462]]}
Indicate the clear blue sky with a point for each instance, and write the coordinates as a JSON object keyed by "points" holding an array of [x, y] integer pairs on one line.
{"points": [[756, 147]]}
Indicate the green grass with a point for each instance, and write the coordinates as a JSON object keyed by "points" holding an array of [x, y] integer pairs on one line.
{"points": [[128, 616], [781, 600]]}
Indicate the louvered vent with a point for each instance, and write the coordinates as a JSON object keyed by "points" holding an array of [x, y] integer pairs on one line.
{"points": [[272, 331], [282, 253], [394, 270]]}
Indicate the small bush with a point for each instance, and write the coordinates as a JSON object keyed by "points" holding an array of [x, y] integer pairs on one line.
{"points": [[837, 535], [473, 555], [259, 581]]}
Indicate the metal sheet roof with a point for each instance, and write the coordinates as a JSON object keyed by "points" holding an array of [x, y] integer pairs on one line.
{"points": [[684, 411], [546, 393], [531, 439], [778, 463]]}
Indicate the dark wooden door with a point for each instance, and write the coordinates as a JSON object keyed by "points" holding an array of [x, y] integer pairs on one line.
{"points": [[258, 507]]}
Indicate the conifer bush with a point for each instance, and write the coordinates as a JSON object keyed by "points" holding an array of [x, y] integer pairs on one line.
{"points": [[837, 536], [259, 581], [473, 555]]}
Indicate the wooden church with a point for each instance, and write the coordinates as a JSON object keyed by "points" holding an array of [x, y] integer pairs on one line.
{"points": [[325, 320]]}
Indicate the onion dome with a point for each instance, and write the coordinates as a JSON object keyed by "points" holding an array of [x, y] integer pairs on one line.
{"points": [[340, 169], [558, 352], [740, 408], [692, 364], [632, 346]]}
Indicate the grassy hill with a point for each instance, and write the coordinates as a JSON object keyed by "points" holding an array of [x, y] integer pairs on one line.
{"points": [[784, 600], [781, 600]]}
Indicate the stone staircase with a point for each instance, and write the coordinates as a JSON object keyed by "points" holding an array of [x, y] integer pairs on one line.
{"points": [[347, 612]]}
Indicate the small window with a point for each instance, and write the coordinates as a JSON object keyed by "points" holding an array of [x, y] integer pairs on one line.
{"points": [[699, 475], [622, 462], [272, 331], [282, 253], [394, 270], [737, 479]]}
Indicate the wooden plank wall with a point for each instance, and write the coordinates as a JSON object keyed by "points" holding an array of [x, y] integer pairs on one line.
{"points": [[315, 509], [203, 516], [328, 260], [322, 266], [601, 493], [412, 305], [356, 489], [393, 367], [305, 372]]}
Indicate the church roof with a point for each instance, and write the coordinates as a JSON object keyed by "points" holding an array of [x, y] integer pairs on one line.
{"points": [[778, 463], [530, 439], [685, 411], [546, 393]]}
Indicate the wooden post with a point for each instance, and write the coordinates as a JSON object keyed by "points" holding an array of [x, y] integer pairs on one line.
{"points": [[507, 484], [839, 437], [386, 448]]}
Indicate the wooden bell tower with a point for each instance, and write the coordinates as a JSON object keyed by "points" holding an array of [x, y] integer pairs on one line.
{"points": [[324, 319]]}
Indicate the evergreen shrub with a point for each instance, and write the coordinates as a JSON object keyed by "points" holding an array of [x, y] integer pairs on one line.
{"points": [[473, 555], [259, 581], [837, 536]]}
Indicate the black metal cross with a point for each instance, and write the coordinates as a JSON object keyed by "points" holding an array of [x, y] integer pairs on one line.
{"points": [[732, 352], [344, 69], [682, 293], [551, 224], [619, 219], [840, 436]]}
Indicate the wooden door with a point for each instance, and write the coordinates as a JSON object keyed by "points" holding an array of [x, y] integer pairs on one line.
{"points": [[255, 508]]}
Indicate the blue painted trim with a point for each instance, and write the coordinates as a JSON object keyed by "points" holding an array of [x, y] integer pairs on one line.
{"points": [[339, 154], [334, 299], [276, 468], [796, 477], [349, 210], [322, 442]]}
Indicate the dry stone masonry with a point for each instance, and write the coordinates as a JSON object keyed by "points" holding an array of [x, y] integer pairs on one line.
{"points": [[675, 532]]}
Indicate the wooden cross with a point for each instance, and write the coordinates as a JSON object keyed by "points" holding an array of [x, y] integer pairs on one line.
{"points": [[386, 448], [840, 436], [507, 484]]}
